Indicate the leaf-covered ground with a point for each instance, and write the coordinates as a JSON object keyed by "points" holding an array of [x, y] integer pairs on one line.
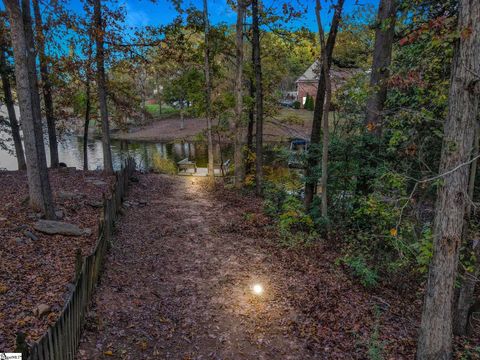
{"points": [[40, 271], [177, 285], [177, 281]]}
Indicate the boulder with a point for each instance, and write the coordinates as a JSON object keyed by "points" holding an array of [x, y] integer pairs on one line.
{"points": [[53, 227], [68, 195], [99, 183], [95, 204]]}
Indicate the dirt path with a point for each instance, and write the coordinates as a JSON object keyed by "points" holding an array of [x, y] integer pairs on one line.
{"points": [[177, 283]]}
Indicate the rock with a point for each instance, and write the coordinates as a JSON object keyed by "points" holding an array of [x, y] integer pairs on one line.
{"points": [[30, 235], [53, 227], [59, 214], [95, 181], [95, 204], [68, 195], [99, 183], [3, 219], [41, 310], [87, 231], [20, 241]]}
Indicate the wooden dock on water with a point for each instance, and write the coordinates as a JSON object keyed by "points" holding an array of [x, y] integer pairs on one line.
{"points": [[187, 167], [202, 172]]}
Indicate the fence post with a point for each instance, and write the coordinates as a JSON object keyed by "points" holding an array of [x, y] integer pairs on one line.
{"points": [[21, 345]]}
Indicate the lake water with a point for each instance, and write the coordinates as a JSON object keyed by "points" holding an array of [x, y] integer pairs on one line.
{"points": [[146, 154]]}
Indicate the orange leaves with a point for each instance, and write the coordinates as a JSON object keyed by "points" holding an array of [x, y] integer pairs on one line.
{"points": [[436, 27], [3, 289], [405, 81], [371, 126]]}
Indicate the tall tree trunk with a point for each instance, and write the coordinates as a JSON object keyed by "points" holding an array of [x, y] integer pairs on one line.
{"points": [[466, 295], [238, 127], [101, 86], [27, 92], [47, 87], [159, 95], [251, 116], [435, 340], [182, 117], [257, 66], [86, 123], [313, 153], [143, 79], [326, 111], [251, 122], [88, 79], [382, 56], [208, 91], [12, 117]]}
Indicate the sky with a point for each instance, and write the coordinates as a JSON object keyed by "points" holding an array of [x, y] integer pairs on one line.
{"points": [[161, 12]]}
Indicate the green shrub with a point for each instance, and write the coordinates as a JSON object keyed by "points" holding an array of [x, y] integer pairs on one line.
{"points": [[424, 249], [296, 105], [163, 165], [295, 227], [309, 103], [368, 277]]}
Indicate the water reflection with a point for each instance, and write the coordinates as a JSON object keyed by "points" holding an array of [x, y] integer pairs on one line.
{"points": [[71, 153]]}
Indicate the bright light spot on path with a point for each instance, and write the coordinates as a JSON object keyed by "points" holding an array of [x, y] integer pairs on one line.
{"points": [[257, 289]]}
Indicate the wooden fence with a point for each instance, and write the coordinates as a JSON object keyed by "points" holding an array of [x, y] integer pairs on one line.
{"points": [[61, 340]]}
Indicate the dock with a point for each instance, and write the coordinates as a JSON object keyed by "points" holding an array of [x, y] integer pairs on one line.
{"points": [[201, 172]]}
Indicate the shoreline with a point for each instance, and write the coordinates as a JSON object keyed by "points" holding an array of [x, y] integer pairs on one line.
{"points": [[168, 130]]}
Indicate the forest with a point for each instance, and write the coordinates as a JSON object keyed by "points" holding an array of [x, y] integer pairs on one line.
{"points": [[241, 179]]}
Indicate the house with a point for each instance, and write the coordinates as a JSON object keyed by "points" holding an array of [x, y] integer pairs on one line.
{"points": [[307, 84]]}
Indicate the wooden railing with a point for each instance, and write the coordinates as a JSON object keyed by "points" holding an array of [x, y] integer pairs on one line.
{"points": [[61, 340]]}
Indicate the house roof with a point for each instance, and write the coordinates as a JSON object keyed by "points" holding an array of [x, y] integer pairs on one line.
{"points": [[338, 75]]}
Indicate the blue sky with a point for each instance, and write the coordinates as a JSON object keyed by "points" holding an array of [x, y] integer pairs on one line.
{"points": [[161, 12]]}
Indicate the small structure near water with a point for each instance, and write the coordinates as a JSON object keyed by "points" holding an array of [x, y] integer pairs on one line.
{"points": [[297, 149], [187, 167]]}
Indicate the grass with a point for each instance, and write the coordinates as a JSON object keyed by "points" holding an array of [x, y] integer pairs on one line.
{"points": [[167, 110], [294, 116], [299, 117]]}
